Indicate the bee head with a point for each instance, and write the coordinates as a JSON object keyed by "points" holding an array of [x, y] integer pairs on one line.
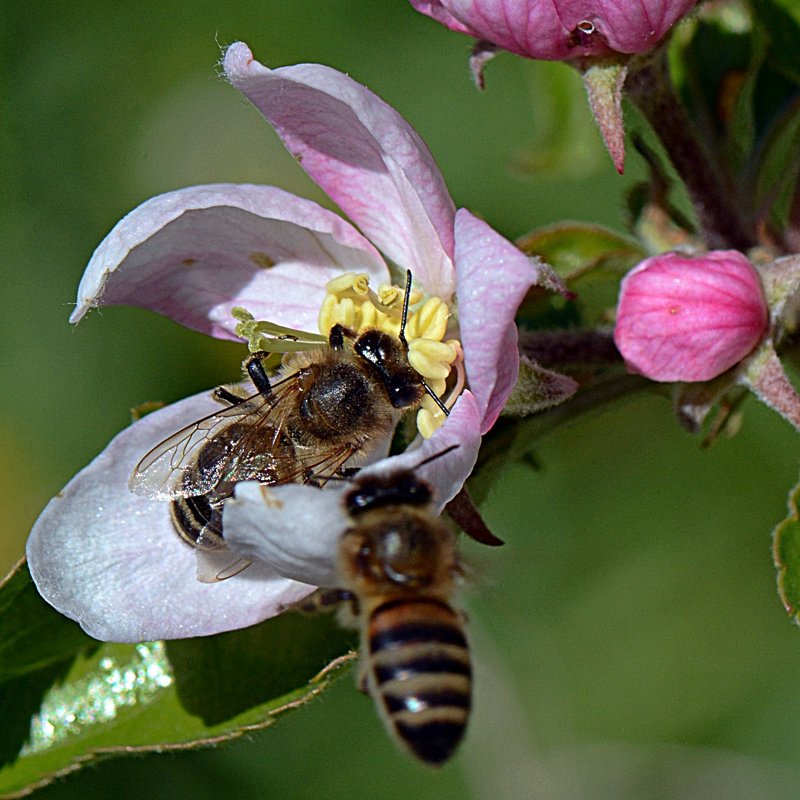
{"points": [[399, 488], [387, 356]]}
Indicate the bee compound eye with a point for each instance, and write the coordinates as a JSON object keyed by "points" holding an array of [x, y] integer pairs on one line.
{"points": [[404, 394]]}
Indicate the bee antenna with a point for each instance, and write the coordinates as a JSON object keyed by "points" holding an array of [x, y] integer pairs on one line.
{"points": [[404, 318], [436, 399], [402, 336], [437, 455]]}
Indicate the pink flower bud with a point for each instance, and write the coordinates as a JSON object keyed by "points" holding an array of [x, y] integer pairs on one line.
{"points": [[560, 29], [689, 319]]}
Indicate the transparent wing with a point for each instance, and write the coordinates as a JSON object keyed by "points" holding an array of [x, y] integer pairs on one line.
{"points": [[219, 447], [215, 560]]}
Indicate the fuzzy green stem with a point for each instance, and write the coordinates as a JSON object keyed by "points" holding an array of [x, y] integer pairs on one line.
{"points": [[563, 349], [649, 86], [511, 440], [765, 377]]}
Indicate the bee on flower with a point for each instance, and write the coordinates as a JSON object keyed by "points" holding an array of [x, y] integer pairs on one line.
{"points": [[226, 259]]}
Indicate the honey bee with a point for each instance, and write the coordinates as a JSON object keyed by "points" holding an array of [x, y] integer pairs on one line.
{"points": [[397, 564], [333, 405]]}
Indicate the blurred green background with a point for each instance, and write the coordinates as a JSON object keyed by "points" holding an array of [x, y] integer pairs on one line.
{"points": [[629, 639]]}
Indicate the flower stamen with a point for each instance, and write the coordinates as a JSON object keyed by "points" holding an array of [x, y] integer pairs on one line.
{"points": [[351, 303], [430, 416]]}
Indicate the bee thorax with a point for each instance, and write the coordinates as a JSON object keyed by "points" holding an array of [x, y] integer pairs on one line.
{"points": [[339, 404]]}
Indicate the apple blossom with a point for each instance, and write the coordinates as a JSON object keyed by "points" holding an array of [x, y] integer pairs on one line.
{"points": [[560, 29], [682, 318], [597, 36], [111, 560]]}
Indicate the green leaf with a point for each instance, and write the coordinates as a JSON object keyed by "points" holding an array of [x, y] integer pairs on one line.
{"points": [[786, 551], [37, 647], [781, 20], [32, 634], [221, 677], [779, 169], [124, 699], [591, 259]]}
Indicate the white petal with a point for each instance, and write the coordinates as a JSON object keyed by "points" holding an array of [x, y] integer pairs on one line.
{"points": [[293, 528], [493, 277], [194, 254], [296, 528], [112, 561]]}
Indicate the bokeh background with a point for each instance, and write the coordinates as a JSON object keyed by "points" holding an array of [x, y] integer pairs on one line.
{"points": [[629, 639]]}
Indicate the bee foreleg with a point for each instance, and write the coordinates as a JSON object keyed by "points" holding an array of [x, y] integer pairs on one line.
{"points": [[324, 600], [255, 369], [362, 679], [223, 395], [336, 337]]}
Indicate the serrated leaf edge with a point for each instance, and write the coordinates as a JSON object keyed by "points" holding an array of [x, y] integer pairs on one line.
{"points": [[319, 683]]}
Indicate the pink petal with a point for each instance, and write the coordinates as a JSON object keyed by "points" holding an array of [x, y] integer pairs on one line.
{"points": [[437, 10], [446, 474], [112, 561], [363, 154], [195, 253], [493, 277], [546, 28], [296, 529], [685, 318]]}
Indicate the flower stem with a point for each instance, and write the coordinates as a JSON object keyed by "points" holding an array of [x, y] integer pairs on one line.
{"points": [[649, 86], [573, 348], [766, 378]]}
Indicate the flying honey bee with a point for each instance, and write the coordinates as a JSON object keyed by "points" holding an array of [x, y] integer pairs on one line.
{"points": [[333, 405], [398, 565]]}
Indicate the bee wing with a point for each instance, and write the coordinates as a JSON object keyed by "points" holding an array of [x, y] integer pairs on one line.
{"points": [[194, 460], [320, 465], [215, 561]]}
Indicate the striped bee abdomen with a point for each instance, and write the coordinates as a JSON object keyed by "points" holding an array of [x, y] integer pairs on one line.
{"points": [[420, 674]]}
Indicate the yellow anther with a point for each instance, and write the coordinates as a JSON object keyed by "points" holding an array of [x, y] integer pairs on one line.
{"points": [[347, 312], [428, 422], [327, 314], [432, 319], [351, 284], [391, 296], [351, 302], [437, 386], [367, 316], [431, 359], [390, 324]]}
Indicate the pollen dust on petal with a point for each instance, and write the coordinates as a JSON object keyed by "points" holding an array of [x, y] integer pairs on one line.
{"points": [[262, 259], [189, 262], [270, 499]]}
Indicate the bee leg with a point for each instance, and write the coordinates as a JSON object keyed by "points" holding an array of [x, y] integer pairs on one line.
{"points": [[336, 337], [323, 600], [362, 679], [255, 369], [223, 395], [348, 472], [310, 478]]}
